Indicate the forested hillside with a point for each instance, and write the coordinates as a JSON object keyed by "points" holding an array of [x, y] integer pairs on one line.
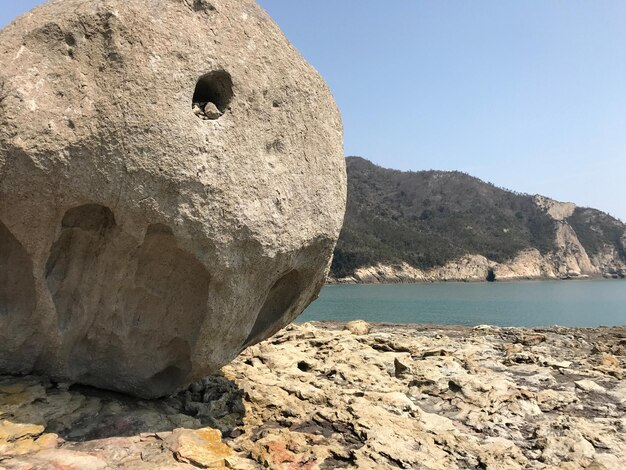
{"points": [[428, 218]]}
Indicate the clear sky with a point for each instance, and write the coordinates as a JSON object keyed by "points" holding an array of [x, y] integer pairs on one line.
{"points": [[530, 95]]}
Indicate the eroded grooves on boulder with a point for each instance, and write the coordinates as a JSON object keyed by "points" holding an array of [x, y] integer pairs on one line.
{"points": [[280, 299], [147, 302], [174, 279], [177, 371], [89, 217], [80, 262], [17, 286]]}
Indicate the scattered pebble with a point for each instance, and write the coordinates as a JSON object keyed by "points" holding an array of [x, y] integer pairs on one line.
{"points": [[206, 111]]}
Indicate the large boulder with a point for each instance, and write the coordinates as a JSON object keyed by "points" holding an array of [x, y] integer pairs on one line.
{"points": [[172, 186]]}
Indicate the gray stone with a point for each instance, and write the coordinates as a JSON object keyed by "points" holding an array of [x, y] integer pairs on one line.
{"points": [[587, 385], [357, 327], [400, 368], [211, 111], [142, 248]]}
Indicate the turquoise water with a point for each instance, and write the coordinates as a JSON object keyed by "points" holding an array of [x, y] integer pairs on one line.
{"points": [[544, 303]]}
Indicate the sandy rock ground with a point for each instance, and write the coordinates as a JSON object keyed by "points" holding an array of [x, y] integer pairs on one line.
{"points": [[321, 396]]}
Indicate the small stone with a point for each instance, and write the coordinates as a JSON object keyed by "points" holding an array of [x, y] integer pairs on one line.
{"points": [[61, 459], [48, 441], [532, 340], [202, 447], [610, 361], [485, 328], [240, 463], [357, 327], [163, 435], [211, 111], [399, 367], [549, 400], [12, 431], [587, 385], [557, 364], [28, 445]]}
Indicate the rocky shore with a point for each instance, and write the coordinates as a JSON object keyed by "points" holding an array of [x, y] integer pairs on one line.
{"points": [[528, 265], [357, 396]]}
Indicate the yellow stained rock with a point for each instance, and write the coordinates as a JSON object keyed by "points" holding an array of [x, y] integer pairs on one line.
{"points": [[13, 431], [21, 447], [12, 394], [203, 447], [48, 441], [610, 361], [28, 445], [15, 398], [13, 388]]}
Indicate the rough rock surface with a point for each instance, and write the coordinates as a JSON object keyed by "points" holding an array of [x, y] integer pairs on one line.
{"points": [[557, 210], [142, 247], [320, 397], [357, 327], [571, 262]]}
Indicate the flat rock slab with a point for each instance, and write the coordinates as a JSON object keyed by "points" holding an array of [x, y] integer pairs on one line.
{"points": [[318, 396], [172, 186]]}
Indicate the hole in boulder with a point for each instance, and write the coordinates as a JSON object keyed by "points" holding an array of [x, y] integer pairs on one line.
{"points": [[491, 275], [70, 40], [213, 94], [202, 5], [279, 300]]}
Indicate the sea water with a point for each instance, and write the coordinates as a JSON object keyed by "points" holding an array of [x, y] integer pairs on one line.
{"points": [[589, 303]]}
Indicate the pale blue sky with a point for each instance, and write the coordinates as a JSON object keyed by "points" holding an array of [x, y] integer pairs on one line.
{"points": [[530, 95]]}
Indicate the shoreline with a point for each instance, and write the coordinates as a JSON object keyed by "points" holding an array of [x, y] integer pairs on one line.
{"points": [[527, 265], [334, 325], [476, 281]]}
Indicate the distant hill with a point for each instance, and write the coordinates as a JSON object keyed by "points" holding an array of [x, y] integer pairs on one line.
{"points": [[429, 219]]}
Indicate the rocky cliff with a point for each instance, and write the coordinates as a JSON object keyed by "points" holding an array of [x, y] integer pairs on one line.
{"points": [[448, 226]]}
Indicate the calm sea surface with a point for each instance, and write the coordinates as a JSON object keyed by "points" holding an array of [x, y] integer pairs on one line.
{"points": [[565, 303]]}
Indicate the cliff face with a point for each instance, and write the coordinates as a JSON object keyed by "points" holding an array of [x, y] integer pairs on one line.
{"points": [[529, 264], [447, 226]]}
